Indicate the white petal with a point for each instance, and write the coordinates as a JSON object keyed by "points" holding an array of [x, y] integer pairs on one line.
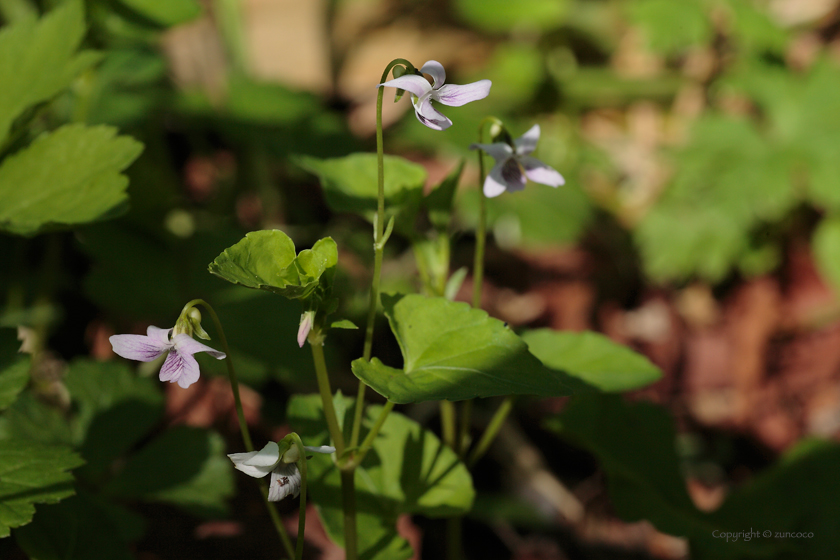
{"points": [[455, 96], [527, 143], [320, 449], [240, 460], [539, 172], [285, 480], [435, 69], [494, 185], [265, 457], [500, 151], [430, 116], [161, 335], [139, 347], [418, 85], [185, 344]]}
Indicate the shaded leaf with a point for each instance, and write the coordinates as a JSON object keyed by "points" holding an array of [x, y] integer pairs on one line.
{"points": [[454, 352], [32, 473], [82, 182], [592, 358], [14, 368], [171, 12]]}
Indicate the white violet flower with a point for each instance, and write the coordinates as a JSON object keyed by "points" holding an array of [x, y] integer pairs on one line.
{"points": [[514, 166], [285, 476], [180, 365], [423, 93]]}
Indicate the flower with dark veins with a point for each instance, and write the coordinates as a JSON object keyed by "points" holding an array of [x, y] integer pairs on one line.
{"points": [[285, 475], [514, 166], [180, 365], [423, 93]]}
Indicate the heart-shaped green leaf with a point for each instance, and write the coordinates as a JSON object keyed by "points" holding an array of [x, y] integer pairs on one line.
{"points": [[266, 260], [454, 352], [592, 358]]}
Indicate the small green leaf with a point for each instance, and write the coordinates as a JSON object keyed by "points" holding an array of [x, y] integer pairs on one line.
{"points": [[454, 352], [266, 260], [593, 358], [82, 182], [32, 473], [38, 60], [169, 13], [343, 324], [350, 185], [503, 15], [14, 368]]}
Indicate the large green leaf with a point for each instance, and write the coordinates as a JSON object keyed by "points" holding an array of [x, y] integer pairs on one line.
{"points": [[171, 12], [592, 358], [454, 352], [67, 177], [38, 60], [14, 368], [195, 474], [266, 260], [350, 185], [408, 470], [32, 473]]}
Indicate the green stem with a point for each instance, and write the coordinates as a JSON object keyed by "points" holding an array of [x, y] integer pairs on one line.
{"points": [[371, 436], [243, 426], [464, 432], [490, 433], [301, 463], [447, 423], [317, 345], [454, 548], [378, 247]]}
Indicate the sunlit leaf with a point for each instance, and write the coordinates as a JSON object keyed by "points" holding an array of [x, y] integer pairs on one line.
{"points": [[454, 352], [32, 473], [82, 182], [38, 59], [593, 358], [502, 15], [171, 12]]}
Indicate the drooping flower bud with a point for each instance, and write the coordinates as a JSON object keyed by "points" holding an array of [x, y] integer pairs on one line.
{"points": [[306, 321]]}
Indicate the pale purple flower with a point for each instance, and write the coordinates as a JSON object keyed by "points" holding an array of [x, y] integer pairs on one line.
{"points": [[305, 326], [423, 93], [514, 166], [180, 365], [285, 476]]}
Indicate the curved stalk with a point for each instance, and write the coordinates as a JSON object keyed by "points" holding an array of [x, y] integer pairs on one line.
{"points": [[301, 463]]}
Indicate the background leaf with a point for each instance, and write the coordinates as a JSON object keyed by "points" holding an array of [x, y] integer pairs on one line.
{"points": [[81, 184], [171, 12], [14, 368], [454, 352]]}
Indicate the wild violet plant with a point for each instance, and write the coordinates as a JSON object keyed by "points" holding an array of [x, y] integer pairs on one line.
{"points": [[452, 351]]}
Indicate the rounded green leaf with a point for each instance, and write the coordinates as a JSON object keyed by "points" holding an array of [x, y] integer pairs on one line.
{"points": [[454, 352], [592, 358]]}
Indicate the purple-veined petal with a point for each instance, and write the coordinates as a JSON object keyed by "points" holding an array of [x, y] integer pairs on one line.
{"points": [[499, 151], [185, 344], [418, 85], [539, 172], [240, 461], [320, 449], [527, 143], [455, 96], [139, 347], [494, 184], [180, 368], [285, 481], [161, 335], [435, 69], [430, 116]]}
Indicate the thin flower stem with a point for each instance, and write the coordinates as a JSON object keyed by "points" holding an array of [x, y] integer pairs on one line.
{"points": [[454, 548], [316, 343], [490, 433], [447, 423], [371, 436], [301, 463], [464, 432], [348, 498], [243, 426], [378, 247]]}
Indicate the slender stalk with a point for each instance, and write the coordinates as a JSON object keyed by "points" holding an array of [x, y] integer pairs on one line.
{"points": [[371, 436], [490, 433], [243, 426], [480, 240], [454, 548], [447, 423], [316, 343], [301, 463], [378, 247], [464, 432]]}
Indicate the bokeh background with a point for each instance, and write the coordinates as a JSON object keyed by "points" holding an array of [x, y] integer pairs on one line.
{"points": [[699, 224]]}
